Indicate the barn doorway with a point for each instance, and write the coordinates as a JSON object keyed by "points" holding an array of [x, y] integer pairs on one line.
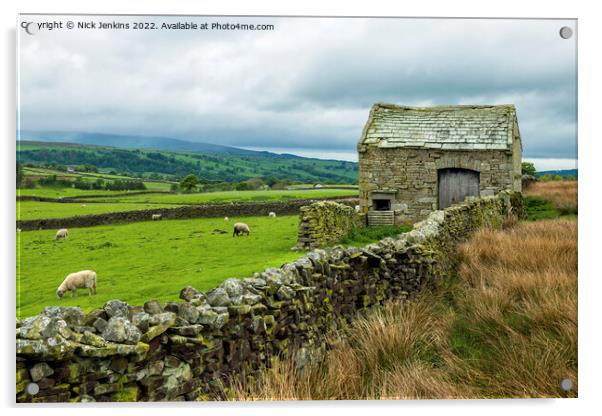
{"points": [[457, 184]]}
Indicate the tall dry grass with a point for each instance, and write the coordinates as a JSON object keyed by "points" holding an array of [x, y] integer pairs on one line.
{"points": [[562, 194], [505, 327], [519, 308]]}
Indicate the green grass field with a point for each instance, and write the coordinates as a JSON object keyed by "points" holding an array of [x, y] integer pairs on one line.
{"points": [[29, 210], [147, 260], [51, 192], [233, 196], [38, 172]]}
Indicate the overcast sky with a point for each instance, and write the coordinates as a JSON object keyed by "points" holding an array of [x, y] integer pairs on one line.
{"points": [[306, 87]]}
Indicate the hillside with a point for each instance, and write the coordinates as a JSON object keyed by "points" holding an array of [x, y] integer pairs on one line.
{"points": [[136, 142], [224, 166]]}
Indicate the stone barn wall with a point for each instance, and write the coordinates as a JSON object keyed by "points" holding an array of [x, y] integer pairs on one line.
{"points": [[187, 350], [412, 174], [325, 223]]}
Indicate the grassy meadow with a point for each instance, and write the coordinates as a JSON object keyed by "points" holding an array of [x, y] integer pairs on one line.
{"points": [[39, 172], [59, 192], [29, 210], [504, 327], [232, 196], [147, 260]]}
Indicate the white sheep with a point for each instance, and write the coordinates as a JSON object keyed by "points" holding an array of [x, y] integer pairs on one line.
{"points": [[18, 230], [226, 218], [156, 217], [241, 228], [79, 280], [272, 215], [61, 234]]}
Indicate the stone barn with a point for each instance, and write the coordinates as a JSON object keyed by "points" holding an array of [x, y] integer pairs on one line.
{"points": [[413, 160]]}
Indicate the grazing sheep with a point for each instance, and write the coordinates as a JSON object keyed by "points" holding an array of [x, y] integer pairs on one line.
{"points": [[272, 214], [241, 228], [157, 217], [226, 218], [79, 280], [61, 234]]}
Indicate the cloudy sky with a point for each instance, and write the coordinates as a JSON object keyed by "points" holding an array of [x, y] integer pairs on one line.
{"points": [[305, 87]]}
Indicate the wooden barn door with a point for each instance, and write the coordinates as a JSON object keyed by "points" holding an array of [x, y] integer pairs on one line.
{"points": [[457, 184]]}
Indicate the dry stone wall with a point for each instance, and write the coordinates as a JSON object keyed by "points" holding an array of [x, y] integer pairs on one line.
{"points": [[324, 223], [186, 350], [182, 212]]}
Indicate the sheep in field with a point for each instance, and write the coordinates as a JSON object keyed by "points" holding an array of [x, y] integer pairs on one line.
{"points": [[79, 280], [156, 217], [241, 228], [272, 215], [226, 218], [61, 234]]}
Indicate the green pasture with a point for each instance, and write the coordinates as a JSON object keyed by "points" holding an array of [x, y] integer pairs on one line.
{"points": [[37, 172], [147, 260], [51, 192], [232, 196], [311, 185], [29, 210]]}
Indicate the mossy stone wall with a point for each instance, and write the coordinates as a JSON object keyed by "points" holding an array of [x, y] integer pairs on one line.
{"points": [[325, 223], [186, 350]]}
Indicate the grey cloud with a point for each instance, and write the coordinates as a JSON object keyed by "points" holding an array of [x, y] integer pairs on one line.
{"points": [[309, 84]]}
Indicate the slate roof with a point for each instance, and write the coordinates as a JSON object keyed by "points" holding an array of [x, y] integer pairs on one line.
{"points": [[461, 127]]}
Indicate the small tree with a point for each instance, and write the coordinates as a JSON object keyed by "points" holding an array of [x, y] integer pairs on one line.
{"points": [[189, 183], [528, 168]]}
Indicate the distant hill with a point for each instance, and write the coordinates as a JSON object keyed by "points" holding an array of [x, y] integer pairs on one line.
{"points": [[140, 142], [564, 172], [224, 165]]}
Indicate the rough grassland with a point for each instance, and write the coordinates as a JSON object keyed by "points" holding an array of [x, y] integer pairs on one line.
{"points": [[505, 327], [147, 260], [561, 194]]}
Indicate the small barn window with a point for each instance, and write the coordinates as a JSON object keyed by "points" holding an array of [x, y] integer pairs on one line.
{"points": [[381, 204]]}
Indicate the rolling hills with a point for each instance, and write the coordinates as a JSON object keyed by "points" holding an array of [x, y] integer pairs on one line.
{"points": [[211, 164]]}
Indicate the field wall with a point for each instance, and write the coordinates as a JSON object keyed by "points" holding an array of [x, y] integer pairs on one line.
{"points": [[324, 223], [186, 350], [181, 212]]}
